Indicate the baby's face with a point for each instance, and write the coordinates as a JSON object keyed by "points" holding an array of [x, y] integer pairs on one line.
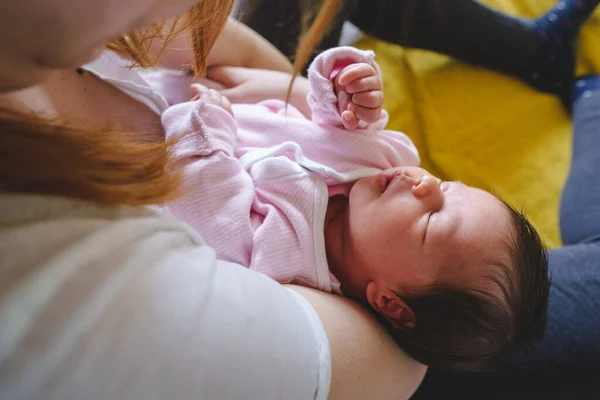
{"points": [[408, 229]]}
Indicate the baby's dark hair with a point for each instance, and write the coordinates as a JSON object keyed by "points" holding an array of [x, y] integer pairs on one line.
{"points": [[458, 330]]}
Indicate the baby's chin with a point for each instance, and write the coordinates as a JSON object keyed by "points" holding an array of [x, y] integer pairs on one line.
{"points": [[362, 191]]}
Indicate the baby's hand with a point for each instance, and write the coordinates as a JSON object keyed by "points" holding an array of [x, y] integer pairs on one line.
{"points": [[211, 96], [360, 95]]}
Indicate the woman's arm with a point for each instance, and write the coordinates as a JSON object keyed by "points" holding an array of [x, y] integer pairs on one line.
{"points": [[366, 362], [240, 46], [250, 85], [237, 46], [201, 328]]}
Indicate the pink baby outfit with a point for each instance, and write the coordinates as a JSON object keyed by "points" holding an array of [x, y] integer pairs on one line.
{"points": [[257, 186]]}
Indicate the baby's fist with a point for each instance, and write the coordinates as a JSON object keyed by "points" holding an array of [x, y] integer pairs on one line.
{"points": [[211, 96], [360, 94]]}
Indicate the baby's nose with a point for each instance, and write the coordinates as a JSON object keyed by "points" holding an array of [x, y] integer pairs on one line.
{"points": [[428, 190]]}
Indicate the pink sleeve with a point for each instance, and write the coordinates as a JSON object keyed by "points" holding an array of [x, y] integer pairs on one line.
{"points": [[363, 151], [217, 192], [322, 98]]}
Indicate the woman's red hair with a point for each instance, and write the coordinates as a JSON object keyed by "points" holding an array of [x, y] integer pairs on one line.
{"points": [[106, 166]]}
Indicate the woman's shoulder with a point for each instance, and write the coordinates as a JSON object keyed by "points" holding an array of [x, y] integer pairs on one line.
{"points": [[128, 295]]}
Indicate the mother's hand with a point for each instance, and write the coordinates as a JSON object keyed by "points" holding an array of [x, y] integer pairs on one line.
{"points": [[366, 362]]}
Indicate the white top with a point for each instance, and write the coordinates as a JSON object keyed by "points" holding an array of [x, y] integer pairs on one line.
{"points": [[156, 88], [115, 70], [125, 303]]}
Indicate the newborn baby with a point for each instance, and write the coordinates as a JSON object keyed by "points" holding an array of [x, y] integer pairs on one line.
{"points": [[337, 203]]}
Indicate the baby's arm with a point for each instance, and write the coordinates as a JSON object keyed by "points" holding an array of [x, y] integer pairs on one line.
{"points": [[346, 89], [360, 95], [217, 192]]}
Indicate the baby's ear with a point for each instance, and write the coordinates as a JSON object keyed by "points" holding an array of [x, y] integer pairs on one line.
{"points": [[392, 307]]}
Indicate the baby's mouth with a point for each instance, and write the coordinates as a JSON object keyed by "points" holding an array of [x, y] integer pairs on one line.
{"points": [[385, 181]]}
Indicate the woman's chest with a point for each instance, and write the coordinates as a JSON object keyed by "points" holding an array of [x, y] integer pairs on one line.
{"points": [[87, 101]]}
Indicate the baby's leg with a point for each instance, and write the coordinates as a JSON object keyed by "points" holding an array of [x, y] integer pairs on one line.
{"points": [[540, 52], [580, 205]]}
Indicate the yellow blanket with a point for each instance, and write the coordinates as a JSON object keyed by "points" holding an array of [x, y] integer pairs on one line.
{"points": [[483, 128]]}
